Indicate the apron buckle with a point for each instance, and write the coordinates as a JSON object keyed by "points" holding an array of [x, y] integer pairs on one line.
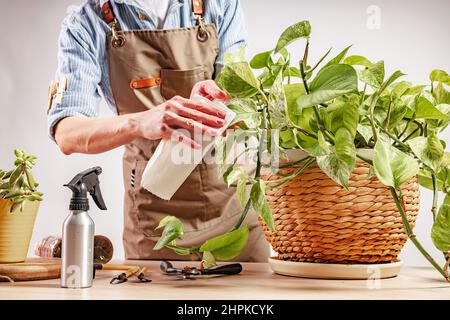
{"points": [[118, 40], [202, 34]]}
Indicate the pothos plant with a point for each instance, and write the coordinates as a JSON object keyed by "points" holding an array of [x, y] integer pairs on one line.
{"points": [[331, 110], [18, 185]]}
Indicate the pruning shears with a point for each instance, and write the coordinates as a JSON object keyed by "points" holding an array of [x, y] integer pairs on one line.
{"points": [[128, 272], [192, 272]]}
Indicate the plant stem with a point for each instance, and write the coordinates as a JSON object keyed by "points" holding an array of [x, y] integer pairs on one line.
{"points": [[419, 125], [365, 159], [302, 72], [393, 137], [286, 179], [317, 113], [409, 232], [406, 128], [263, 95], [388, 117], [305, 55], [243, 215], [262, 143], [305, 84], [318, 62], [329, 135], [363, 96], [372, 119], [435, 196], [411, 134], [293, 163]]}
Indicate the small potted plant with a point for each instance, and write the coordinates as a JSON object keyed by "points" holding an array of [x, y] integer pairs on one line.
{"points": [[19, 204], [353, 147]]}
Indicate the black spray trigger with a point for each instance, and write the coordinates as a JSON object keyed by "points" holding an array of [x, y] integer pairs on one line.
{"points": [[86, 181], [96, 194]]}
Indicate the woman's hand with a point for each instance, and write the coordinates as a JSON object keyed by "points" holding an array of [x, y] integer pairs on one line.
{"points": [[163, 121], [210, 90], [80, 134]]}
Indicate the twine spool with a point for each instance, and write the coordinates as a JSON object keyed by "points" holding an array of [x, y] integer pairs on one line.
{"points": [[317, 220]]}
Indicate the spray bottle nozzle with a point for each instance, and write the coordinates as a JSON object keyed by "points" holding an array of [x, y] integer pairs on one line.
{"points": [[81, 184]]}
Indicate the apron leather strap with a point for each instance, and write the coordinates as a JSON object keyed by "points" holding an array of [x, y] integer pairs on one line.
{"points": [[118, 40], [197, 10], [197, 7], [109, 17], [107, 13]]}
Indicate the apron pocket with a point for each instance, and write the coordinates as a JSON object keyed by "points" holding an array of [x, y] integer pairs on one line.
{"points": [[180, 82], [187, 204]]}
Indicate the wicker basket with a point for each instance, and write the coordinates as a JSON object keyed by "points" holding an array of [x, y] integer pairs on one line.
{"points": [[316, 220]]}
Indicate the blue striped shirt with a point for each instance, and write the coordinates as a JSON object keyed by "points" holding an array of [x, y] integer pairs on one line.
{"points": [[82, 47]]}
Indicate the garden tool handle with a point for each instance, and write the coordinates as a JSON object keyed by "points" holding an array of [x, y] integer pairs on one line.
{"points": [[167, 267], [228, 269]]}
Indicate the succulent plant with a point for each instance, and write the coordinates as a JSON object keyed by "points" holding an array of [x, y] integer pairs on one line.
{"points": [[18, 185]]}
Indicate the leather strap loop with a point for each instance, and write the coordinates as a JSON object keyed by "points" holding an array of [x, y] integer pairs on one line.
{"points": [[145, 83]]}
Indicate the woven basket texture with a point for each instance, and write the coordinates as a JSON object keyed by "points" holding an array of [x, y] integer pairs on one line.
{"points": [[317, 220]]}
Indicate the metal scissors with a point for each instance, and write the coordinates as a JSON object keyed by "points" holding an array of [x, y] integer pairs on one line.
{"points": [[128, 271], [192, 272]]}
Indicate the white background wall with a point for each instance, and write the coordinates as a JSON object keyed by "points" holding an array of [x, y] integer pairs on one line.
{"points": [[413, 36]]}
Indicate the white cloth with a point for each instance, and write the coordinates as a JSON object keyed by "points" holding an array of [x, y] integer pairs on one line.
{"points": [[156, 10], [173, 162]]}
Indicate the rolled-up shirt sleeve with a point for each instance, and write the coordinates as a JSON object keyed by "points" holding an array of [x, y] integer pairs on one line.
{"points": [[232, 31], [78, 64]]}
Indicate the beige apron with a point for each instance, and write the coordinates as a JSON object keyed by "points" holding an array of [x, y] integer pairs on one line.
{"points": [[148, 67]]}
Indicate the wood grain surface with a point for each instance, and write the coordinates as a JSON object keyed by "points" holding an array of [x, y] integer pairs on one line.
{"points": [[30, 271], [256, 282]]}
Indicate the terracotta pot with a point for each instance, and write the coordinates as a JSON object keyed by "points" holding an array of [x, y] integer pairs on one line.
{"points": [[16, 229], [317, 220]]}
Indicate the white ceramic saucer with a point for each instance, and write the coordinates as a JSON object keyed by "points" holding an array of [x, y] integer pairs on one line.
{"points": [[335, 271]]}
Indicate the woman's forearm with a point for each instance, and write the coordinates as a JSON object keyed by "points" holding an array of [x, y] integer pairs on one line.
{"points": [[95, 135]]}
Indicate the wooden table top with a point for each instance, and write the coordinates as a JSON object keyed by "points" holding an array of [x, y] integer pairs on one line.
{"points": [[256, 282]]}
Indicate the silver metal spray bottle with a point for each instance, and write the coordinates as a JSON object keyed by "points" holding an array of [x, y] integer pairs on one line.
{"points": [[77, 253]]}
